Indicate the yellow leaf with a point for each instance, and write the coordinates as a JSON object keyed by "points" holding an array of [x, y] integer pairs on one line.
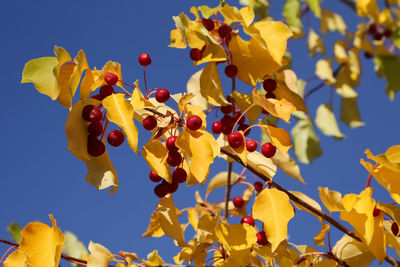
{"points": [[289, 89], [354, 64], [272, 35], [154, 229], [278, 108], [184, 100], [279, 137], [169, 220], [323, 70], [320, 236], [236, 236], [39, 71], [315, 44], [41, 244], [101, 173], [199, 149], [155, 153], [391, 158], [120, 111], [220, 180], [99, 255], [89, 82], [351, 251], [76, 130], [190, 110], [153, 259], [309, 201], [326, 121], [273, 208], [193, 217], [63, 72], [392, 241], [176, 39], [243, 101], [349, 112], [113, 67], [233, 14], [16, 259], [367, 8], [210, 86], [193, 87], [261, 164], [252, 59], [332, 21], [331, 199], [339, 49], [288, 165], [247, 194]]}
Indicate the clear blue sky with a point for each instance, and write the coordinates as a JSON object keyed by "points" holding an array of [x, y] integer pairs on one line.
{"points": [[40, 176]]}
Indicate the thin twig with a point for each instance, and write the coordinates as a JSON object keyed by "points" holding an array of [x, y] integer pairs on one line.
{"points": [[322, 84], [349, 3]]}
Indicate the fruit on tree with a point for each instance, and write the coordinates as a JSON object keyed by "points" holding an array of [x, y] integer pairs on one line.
{"points": [[179, 175], [244, 128], [226, 109], [395, 229], [111, 79], [95, 128], [238, 202], [261, 238], [231, 71], [237, 115], [170, 143], [154, 177], [251, 145], [208, 24], [174, 158], [106, 90], [227, 124], [150, 122], [224, 31], [162, 95], [248, 219], [269, 85], [144, 59], [161, 190], [268, 150], [376, 211], [92, 113], [196, 54], [258, 186], [217, 127], [194, 122], [235, 140], [116, 138], [95, 147]]}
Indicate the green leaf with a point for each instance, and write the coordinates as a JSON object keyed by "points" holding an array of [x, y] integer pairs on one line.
{"points": [[39, 71], [73, 247], [15, 231], [315, 6], [291, 12], [326, 121], [349, 112], [389, 68], [305, 140], [260, 7]]}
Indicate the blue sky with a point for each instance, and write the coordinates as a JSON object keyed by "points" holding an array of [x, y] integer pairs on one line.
{"points": [[40, 176]]}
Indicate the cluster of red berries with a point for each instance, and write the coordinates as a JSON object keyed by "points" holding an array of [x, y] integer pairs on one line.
{"points": [[223, 31], [377, 32], [94, 116], [269, 86], [225, 125], [178, 176], [261, 236]]}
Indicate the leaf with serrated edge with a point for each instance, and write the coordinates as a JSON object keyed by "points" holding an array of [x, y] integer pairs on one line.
{"points": [[273, 208]]}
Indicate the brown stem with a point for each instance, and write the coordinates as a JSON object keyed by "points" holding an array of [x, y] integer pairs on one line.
{"points": [[322, 84], [297, 200], [155, 112], [228, 190]]}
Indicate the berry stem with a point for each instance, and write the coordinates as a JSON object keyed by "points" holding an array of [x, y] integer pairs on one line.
{"points": [[6, 253], [145, 80], [368, 184], [244, 112], [105, 129]]}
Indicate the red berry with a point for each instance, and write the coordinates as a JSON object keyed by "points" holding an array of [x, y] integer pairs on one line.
{"points": [[372, 29], [92, 114], [268, 150], [376, 211], [238, 202], [115, 138], [111, 79], [97, 97], [248, 219], [170, 143], [161, 190], [162, 95], [174, 158], [378, 36], [395, 229], [269, 85], [95, 147], [227, 109], [196, 54], [150, 122], [258, 186], [251, 145], [217, 127], [224, 31], [368, 55], [262, 238], [208, 24], [235, 140], [237, 115], [387, 33], [231, 71], [171, 188], [227, 124], [95, 128], [264, 112], [270, 95], [243, 128], [144, 59], [179, 175], [194, 122], [154, 177], [106, 90]]}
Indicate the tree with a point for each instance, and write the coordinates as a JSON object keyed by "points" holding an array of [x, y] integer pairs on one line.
{"points": [[261, 62]]}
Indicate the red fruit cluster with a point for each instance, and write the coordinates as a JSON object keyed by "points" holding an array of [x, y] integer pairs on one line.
{"points": [[235, 140], [377, 32], [258, 186], [178, 176], [227, 122], [93, 114], [208, 24], [261, 236], [224, 31], [269, 86]]}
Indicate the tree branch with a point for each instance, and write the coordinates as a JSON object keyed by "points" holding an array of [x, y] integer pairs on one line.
{"points": [[349, 3], [297, 200]]}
